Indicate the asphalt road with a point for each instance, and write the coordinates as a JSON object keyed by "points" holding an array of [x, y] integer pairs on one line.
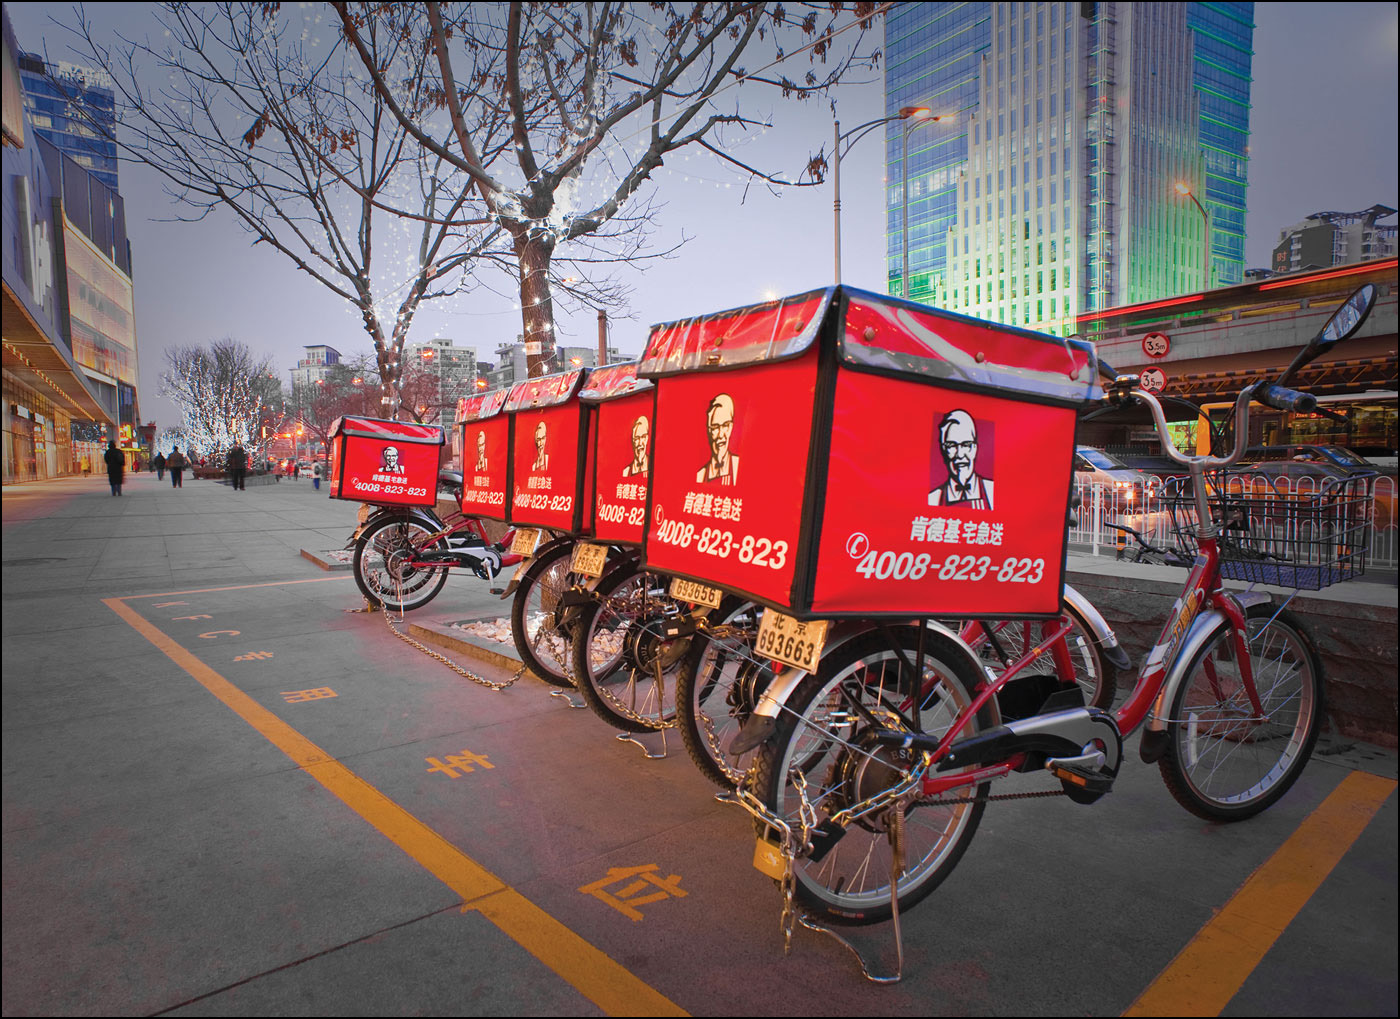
{"points": [[226, 793]]}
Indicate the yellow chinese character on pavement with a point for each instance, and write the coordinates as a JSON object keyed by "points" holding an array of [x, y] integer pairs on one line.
{"points": [[314, 694], [466, 761], [626, 899]]}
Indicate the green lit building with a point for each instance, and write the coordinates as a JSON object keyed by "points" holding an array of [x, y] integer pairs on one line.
{"points": [[1086, 156]]}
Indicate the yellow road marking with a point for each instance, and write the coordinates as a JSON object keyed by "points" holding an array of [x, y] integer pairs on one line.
{"points": [[1214, 965], [590, 971]]}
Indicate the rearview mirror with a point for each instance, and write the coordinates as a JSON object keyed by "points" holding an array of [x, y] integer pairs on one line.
{"points": [[1347, 318]]}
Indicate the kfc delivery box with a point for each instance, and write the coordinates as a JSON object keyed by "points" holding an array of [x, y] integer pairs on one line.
{"points": [[844, 453], [550, 474], [622, 405], [485, 439], [389, 463]]}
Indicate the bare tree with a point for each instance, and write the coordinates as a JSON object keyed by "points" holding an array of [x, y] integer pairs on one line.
{"points": [[222, 392], [561, 111], [260, 118]]}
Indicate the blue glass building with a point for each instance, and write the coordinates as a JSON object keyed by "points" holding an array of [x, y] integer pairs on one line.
{"points": [[1051, 189], [72, 108]]}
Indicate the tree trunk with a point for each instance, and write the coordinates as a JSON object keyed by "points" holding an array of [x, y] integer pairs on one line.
{"points": [[533, 253]]}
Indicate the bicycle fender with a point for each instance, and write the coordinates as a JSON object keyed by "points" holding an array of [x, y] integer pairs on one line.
{"points": [[1103, 633], [1205, 626], [761, 723]]}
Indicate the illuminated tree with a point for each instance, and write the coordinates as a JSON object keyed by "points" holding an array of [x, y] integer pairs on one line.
{"points": [[560, 112], [223, 394], [258, 115]]}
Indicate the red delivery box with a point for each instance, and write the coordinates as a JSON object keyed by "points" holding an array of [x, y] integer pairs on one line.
{"points": [[485, 441], [390, 463], [845, 453], [622, 404], [549, 453]]}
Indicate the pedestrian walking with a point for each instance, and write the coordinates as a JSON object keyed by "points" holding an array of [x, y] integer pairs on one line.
{"points": [[176, 462], [116, 466], [238, 466], [159, 464]]}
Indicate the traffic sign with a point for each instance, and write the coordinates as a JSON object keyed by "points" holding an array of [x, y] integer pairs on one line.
{"points": [[1156, 344], [1153, 380]]}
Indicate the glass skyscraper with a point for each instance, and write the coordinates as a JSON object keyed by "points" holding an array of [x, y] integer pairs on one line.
{"points": [[1053, 189], [64, 112]]}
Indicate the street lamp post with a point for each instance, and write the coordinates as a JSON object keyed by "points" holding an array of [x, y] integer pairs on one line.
{"points": [[904, 172], [1185, 189], [860, 131]]}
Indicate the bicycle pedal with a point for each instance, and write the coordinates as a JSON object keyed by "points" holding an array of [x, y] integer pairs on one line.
{"points": [[824, 836], [1081, 784]]}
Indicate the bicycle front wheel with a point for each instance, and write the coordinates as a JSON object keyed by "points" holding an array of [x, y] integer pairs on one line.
{"points": [[822, 755], [718, 688], [620, 648], [381, 565], [539, 623], [1224, 761]]}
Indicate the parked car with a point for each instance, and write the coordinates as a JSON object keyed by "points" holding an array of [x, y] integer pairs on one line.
{"points": [[1338, 457], [1301, 477], [1093, 466]]}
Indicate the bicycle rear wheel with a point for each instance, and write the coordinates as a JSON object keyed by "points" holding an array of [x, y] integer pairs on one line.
{"points": [[718, 688], [381, 559], [539, 624], [618, 644], [1223, 762], [822, 754]]}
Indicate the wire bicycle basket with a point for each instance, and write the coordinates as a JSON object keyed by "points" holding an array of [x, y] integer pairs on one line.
{"points": [[1294, 533]]}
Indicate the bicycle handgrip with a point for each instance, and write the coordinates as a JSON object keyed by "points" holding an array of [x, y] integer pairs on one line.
{"points": [[1105, 371], [1283, 398]]}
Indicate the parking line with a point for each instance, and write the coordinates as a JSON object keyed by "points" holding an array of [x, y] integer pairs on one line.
{"points": [[235, 587], [593, 973], [1214, 965]]}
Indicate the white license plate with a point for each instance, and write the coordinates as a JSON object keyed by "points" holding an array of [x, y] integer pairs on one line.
{"points": [[698, 594], [526, 538], [791, 641], [589, 559]]}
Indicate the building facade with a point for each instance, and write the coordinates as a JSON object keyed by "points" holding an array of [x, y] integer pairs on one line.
{"points": [[1335, 238], [511, 367], [314, 365], [1208, 345], [74, 108], [1048, 187], [70, 358], [454, 366]]}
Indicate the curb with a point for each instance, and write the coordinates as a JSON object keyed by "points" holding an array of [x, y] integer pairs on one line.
{"points": [[329, 565], [502, 656]]}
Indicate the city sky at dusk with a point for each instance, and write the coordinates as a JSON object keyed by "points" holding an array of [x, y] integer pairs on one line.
{"points": [[1323, 137]]}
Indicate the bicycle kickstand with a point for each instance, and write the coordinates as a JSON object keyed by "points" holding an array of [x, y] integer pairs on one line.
{"points": [[896, 837]]}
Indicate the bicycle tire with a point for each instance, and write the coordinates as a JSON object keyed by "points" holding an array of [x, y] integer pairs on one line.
{"points": [[1218, 763], [817, 735], [538, 626], [614, 638], [717, 690], [379, 569]]}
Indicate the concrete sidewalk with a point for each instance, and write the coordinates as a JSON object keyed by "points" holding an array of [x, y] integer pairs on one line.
{"points": [[228, 793]]}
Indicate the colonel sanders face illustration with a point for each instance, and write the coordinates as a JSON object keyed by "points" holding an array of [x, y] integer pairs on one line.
{"points": [[720, 422], [541, 457], [481, 451], [391, 459], [957, 435], [723, 466], [957, 441], [641, 433]]}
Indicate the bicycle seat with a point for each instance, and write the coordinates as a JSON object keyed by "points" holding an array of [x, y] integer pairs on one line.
{"points": [[449, 479]]}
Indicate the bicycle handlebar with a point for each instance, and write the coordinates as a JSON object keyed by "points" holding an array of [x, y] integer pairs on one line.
{"points": [[1282, 398]]}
